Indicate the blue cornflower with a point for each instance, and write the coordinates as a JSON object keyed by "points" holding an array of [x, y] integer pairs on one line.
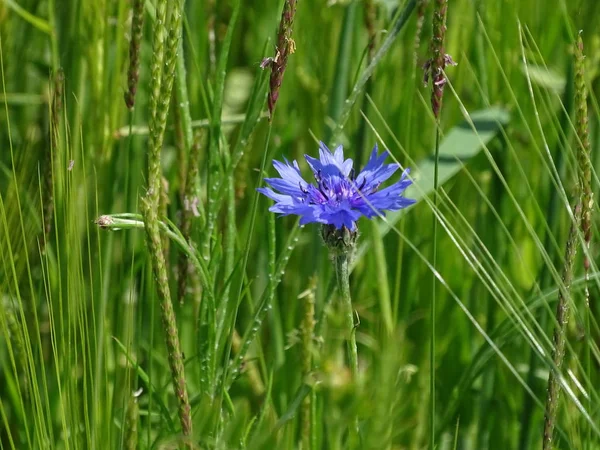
{"points": [[339, 198]]}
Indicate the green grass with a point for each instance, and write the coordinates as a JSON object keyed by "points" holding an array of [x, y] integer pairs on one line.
{"points": [[80, 315]]}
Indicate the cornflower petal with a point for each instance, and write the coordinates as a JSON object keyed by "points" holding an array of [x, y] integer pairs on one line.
{"points": [[280, 198], [284, 204], [330, 164], [285, 186], [341, 217], [291, 173], [389, 198], [375, 172]]}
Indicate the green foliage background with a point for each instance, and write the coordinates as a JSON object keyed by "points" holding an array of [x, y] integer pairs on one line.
{"points": [[79, 316]]}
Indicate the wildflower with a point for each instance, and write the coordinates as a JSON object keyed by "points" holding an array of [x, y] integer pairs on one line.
{"points": [[339, 199]]}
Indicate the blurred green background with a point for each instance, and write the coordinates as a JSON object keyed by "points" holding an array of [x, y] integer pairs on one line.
{"points": [[79, 315]]}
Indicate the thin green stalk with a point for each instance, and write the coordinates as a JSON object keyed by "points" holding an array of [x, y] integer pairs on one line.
{"points": [[586, 191], [252, 371], [188, 167], [583, 153], [168, 316], [285, 46], [183, 101], [264, 306], [16, 349], [232, 307], [131, 424], [559, 338], [133, 73], [51, 155], [435, 70], [272, 245], [370, 18], [433, 295], [215, 172], [230, 239], [132, 221], [362, 135], [360, 84], [340, 83], [191, 206], [307, 330], [341, 244], [383, 284], [396, 313], [341, 262], [127, 221], [545, 277], [343, 280]]}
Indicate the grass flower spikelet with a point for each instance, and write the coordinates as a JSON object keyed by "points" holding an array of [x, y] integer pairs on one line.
{"points": [[133, 73], [583, 147], [439, 59], [339, 198], [559, 338], [285, 46]]}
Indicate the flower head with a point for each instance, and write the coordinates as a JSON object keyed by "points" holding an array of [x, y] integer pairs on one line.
{"points": [[338, 198]]}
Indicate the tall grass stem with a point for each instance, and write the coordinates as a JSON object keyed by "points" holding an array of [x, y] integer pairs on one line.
{"points": [[559, 338], [161, 89], [432, 318]]}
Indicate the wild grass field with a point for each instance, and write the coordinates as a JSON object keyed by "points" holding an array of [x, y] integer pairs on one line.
{"points": [[149, 299]]}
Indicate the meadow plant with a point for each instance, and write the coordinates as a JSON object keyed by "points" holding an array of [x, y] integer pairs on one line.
{"points": [[133, 73], [56, 106], [191, 204], [583, 149], [370, 18], [337, 201], [162, 84], [559, 337], [582, 219], [284, 48], [434, 69]]}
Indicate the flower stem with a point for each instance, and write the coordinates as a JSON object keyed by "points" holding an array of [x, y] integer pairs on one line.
{"points": [[341, 260], [343, 280]]}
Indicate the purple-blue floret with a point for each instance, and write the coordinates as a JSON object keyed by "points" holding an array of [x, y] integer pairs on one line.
{"points": [[338, 198]]}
